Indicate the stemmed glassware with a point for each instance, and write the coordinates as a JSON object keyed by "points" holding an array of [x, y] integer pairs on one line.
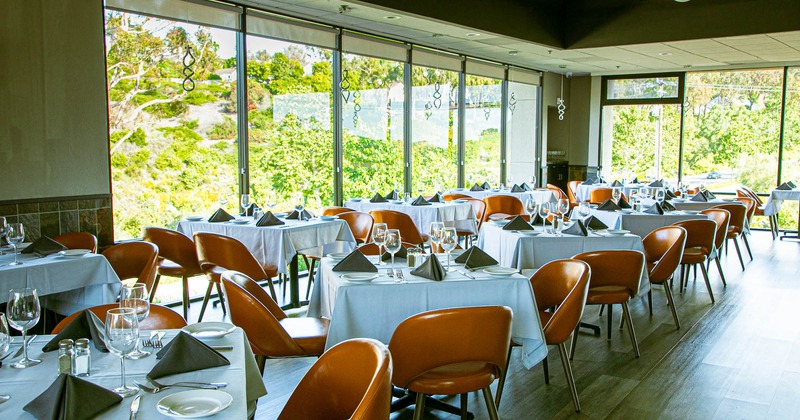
{"points": [[222, 198], [393, 244], [15, 233], [122, 334], [583, 209], [562, 208], [508, 181], [448, 242], [533, 181], [530, 208], [436, 233], [660, 195], [544, 211], [300, 207], [23, 314], [5, 341], [246, 203], [136, 297], [3, 228], [272, 200], [616, 194], [379, 231]]}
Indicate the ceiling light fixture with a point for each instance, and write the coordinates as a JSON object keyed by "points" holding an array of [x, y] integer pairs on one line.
{"points": [[682, 1], [438, 35], [345, 9], [513, 52], [665, 54], [392, 17], [472, 34]]}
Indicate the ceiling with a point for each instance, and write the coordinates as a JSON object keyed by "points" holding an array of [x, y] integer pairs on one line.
{"points": [[699, 35]]}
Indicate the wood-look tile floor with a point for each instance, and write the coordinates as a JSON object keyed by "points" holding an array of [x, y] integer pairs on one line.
{"points": [[738, 358]]}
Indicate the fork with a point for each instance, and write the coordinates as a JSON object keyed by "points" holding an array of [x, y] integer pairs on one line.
{"points": [[157, 389], [158, 343], [198, 385]]}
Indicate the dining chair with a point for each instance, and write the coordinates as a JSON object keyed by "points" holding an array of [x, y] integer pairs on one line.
{"points": [[738, 213], [435, 353], [334, 210], [78, 240], [599, 195], [270, 332], [744, 191], [454, 196], [409, 231], [700, 235], [159, 318], [572, 192], [479, 208], [177, 257], [134, 260], [360, 224], [501, 206], [558, 193], [663, 251], [352, 380], [614, 280], [217, 253], [721, 217]]}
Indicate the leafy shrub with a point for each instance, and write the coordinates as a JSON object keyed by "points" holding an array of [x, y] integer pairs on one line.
{"points": [[197, 97], [223, 130]]}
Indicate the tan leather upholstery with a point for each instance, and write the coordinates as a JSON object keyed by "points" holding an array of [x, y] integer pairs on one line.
{"points": [[572, 192], [134, 260], [409, 232], [334, 210], [599, 195], [699, 245], [352, 380], [176, 258], [736, 225], [721, 217], [479, 208], [436, 353], [557, 192], [501, 206], [78, 240], [159, 318], [663, 251], [454, 196], [360, 224]]}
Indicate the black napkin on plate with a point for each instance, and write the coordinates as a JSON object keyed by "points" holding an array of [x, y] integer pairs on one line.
{"points": [[185, 354], [654, 209], [518, 223], [269, 219], [220, 216], [594, 223], [377, 198], [437, 198], [475, 258], [430, 269], [589, 181], [43, 246], [700, 197], [656, 183], [635, 181], [294, 215], [783, 187], [616, 183], [392, 195], [709, 195], [609, 205], [517, 189], [669, 194], [71, 398], [402, 253], [667, 206], [486, 186], [420, 201], [85, 325], [537, 220], [526, 187], [476, 187], [623, 204], [356, 261], [577, 228], [791, 184]]}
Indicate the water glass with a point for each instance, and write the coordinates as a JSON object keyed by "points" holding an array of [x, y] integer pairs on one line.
{"points": [[616, 194], [584, 210], [530, 207], [393, 244], [3, 228], [660, 195], [15, 234], [246, 203], [562, 208], [379, 231], [272, 201], [544, 211], [122, 334], [533, 181], [436, 233], [23, 314], [5, 341], [222, 198], [448, 242], [136, 297], [407, 197]]}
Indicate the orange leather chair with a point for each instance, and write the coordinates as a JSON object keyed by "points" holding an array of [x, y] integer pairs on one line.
{"points": [[159, 318], [500, 206], [134, 260], [557, 192], [176, 258], [722, 218], [270, 332], [699, 245], [572, 192], [599, 195], [360, 224], [397, 220], [218, 253], [454, 196], [663, 251], [434, 354], [78, 240], [334, 210], [736, 228], [615, 279], [352, 380], [744, 191], [479, 208]]}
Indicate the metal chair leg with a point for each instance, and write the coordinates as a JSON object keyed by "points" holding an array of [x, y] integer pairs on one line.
{"points": [[574, 342], [562, 353], [502, 380], [464, 402], [310, 277], [205, 301], [221, 299], [739, 253], [747, 245], [708, 283], [610, 314], [185, 297], [487, 398], [672, 307], [721, 273], [155, 286], [632, 333], [419, 406], [650, 298]]}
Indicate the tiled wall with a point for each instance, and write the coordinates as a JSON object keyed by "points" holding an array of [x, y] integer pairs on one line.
{"points": [[54, 217]]}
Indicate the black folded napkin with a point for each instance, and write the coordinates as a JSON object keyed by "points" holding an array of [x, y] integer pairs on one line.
{"points": [[476, 187], [85, 325], [783, 187], [43, 246], [616, 183], [437, 198], [269, 219], [392, 195], [635, 181], [700, 197], [517, 189], [669, 194], [667, 206], [537, 220], [420, 201], [709, 195], [294, 215], [518, 223], [220, 216], [656, 183], [356, 261], [72, 398], [589, 181], [791, 184], [608, 205], [377, 198], [475, 258], [526, 187], [594, 223], [250, 210], [185, 354], [430, 269], [623, 204], [654, 209], [577, 228], [402, 253], [486, 186]]}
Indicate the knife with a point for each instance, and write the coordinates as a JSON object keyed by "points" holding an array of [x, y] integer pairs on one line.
{"points": [[135, 407]]}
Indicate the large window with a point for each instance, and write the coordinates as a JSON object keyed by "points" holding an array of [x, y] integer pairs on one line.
{"points": [[482, 121], [521, 129]]}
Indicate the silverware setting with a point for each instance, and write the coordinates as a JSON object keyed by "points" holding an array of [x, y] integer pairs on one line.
{"points": [[469, 276], [158, 387], [154, 340]]}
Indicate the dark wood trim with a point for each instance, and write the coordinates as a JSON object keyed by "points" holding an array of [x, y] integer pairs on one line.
{"points": [[51, 199]]}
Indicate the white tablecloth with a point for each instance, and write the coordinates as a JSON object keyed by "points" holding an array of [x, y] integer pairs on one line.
{"points": [[65, 285], [540, 195], [776, 198], [279, 244], [375, 309], [244, 380], [460, 215], [641, 224], [584, 191]]}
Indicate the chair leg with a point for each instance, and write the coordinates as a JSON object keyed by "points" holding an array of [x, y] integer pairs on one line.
{"points": [[155, 286], [721, 273], [221, 298], [708, 283], [282, 278], [739, 253], [310, 277], [261, 361], [632, 333], [501, 383], [487, 397], [610, 314], [600, 313], [205, 301], [747, 245], [546, 370], [419, 406], [562, 353], [650, 299], [271, 288], [185, 297], [464, 399], [672, 307]]}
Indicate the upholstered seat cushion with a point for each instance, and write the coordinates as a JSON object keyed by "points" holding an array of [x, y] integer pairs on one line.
{"points": [[694, 255], [455, 378], [602, 295], [215, 272], [309, 333], [171, 269]]}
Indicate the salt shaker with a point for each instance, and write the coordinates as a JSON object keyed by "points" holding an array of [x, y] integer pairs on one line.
{"points": [[81, 358], [65, 356]]}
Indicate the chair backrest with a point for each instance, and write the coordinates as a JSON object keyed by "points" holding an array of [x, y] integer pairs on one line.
{"points": [[446, 336], [78, 240], [360, 224], [572, 191], [217, 253], [616, 267], [334, 210], [561, 283], [174, 246], [245, 300], [401, 221], [752, 194], [721, 217], [738, 213], [134, 260], [751, 206], [500, 203], [699, 234], [479, 207], [454, 196], [663, 251], [557, 192], [352, 380], [159, 318], [599, 195]]}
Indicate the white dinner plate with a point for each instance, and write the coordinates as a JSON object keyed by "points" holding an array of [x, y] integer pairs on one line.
{"points": [[360, 277], [328, 218], [691, 211], [194, 218], [279, 215], [501, 222], [530, 232], [73, 253], [209, 329], [500, 271], [627, 211], [338, 256], [240, 221], [195, 403], [617, 232]]}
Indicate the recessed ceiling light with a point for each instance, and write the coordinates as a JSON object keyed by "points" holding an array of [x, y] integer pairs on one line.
{"points": [[438, 35], [392, 17], [513, 52], [562, 66], [664, 54], [682, 1], [688, 66], [473, 34]]}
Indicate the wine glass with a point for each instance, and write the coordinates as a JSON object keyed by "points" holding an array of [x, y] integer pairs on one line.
{"points": [[407, 197], [3, 228], [616, 194], [222, 198], [544, 211], [436, 233], [122, 333], [562, 208], [530, 207], [23, 314], [508, 181], [15, 233], [393, 244], [272, 200], [300, 206], [448, 242], [379, 231], [660, 195], [246, 203], [583, 209], [135, 297], [5, 341], [533, 181]]}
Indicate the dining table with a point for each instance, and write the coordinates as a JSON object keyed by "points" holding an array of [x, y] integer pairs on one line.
{"points": [[640, 223], [459, 214], [584, 191], [280, 245], [773, 206], [541, 195], [244, 382]]}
